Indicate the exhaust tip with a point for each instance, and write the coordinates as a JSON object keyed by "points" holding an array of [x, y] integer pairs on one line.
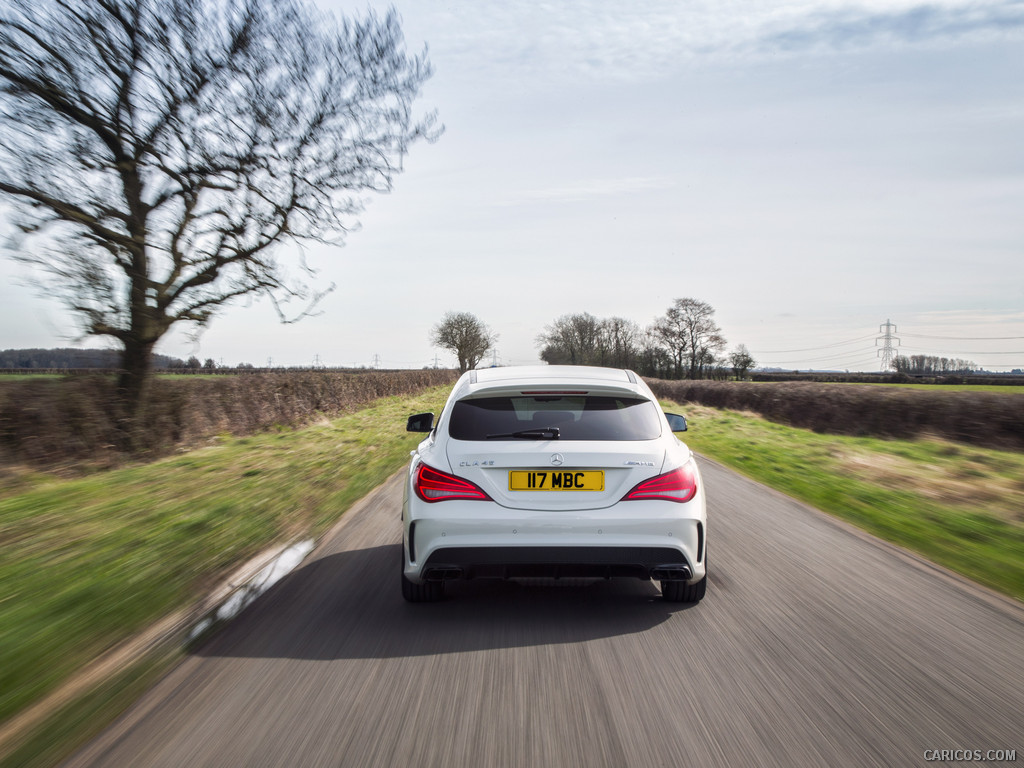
{"points": [[674, 572], [443, 573]]}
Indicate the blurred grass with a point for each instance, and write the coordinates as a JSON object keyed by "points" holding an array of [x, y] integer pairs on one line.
{"points": [[88, 562], [85, 717], [13, 377], [958, 505]]}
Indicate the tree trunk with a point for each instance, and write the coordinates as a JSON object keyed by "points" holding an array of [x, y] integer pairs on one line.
{"points": [[132, 385]]}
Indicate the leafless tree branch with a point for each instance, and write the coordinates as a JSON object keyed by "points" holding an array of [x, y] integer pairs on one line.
{"points": [[157, 151]]}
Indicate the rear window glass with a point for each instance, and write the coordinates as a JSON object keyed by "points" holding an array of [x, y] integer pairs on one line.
{"points": [[576, 417]]}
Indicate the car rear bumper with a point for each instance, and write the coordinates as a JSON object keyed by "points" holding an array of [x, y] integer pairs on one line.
{"points": [[551, 547], [555, 562]]}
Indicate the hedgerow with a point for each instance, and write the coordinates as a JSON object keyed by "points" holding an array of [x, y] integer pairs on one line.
{"points": [[67, 420], [989, 419]]}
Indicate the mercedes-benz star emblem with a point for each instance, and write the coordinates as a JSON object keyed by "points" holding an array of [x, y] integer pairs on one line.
{"points": [[556, 459]]}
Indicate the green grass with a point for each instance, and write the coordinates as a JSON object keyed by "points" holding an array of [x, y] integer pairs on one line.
{"points": [[959, 506], [89, 561], [4, 377]]}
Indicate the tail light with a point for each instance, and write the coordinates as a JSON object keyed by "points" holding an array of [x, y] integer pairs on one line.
{"points": [[678, 485], [434, 485]]}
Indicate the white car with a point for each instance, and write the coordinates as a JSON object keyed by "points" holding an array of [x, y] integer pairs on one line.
{"points": [[551, 472]]}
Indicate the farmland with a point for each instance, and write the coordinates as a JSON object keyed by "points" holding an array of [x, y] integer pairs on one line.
{"points": [[98, 545]]}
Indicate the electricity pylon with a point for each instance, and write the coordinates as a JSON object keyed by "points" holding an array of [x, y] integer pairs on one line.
{"points": [[887, 352]]}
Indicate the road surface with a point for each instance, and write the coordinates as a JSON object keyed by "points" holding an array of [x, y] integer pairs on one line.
{"points": [[815, 646]]}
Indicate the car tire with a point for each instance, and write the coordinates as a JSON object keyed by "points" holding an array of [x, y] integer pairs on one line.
{"points": [[427, 592], [681, 592]]}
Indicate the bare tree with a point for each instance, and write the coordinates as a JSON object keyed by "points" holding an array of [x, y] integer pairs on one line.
{"points": [[653, 359], [156, 151], [930, 364], [582, 339], [622, 339], [570, 340], [670, 331], [464, 335], [690, 336], [741, 361]]}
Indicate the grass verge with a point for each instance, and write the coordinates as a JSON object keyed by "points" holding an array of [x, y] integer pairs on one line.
{"points": [[88, 562], [957, 505], [85, 717]]}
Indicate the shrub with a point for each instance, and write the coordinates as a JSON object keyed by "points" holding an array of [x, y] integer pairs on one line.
{"points": [[989, 419], [73, 420]]}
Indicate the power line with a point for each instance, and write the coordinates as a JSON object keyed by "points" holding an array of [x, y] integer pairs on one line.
{"points": [[891, 347], [812, 349], [855, 365], [965, 338], [818, 359]]}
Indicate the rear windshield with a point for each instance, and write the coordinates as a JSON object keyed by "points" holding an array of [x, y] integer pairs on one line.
{"points": [[576, 417]]}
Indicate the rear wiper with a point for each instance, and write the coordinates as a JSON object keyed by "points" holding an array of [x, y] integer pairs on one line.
{"points": [[526, 434]]}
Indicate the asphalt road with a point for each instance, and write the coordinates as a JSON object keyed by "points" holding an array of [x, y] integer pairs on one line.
{"points": [[815, 646]]}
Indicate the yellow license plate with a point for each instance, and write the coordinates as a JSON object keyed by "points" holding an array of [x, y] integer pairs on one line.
{"points": [[556, 480]]}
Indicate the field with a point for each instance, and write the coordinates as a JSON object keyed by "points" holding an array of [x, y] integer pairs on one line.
{"points": [[90, 560], [958, 505], [981, 418], [93, 554], [1011, 389]]}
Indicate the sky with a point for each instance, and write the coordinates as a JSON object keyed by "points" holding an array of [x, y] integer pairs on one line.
{"points": [[810, 169]]}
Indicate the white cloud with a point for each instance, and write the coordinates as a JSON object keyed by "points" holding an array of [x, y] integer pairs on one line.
{"points": [[548, 44], [849, 27]]}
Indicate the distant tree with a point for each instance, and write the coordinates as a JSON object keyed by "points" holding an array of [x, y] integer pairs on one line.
{"points": [[155, 151], [193, 363], [714, 367], [463, 334], [582, 339], [653, 360], [245, 367], [690, 336], [670, 331], [73, 358], [571, 340], [160, 361], [621, 339], [710, 366], [741, 361], [931, 365], [210, 364]]}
